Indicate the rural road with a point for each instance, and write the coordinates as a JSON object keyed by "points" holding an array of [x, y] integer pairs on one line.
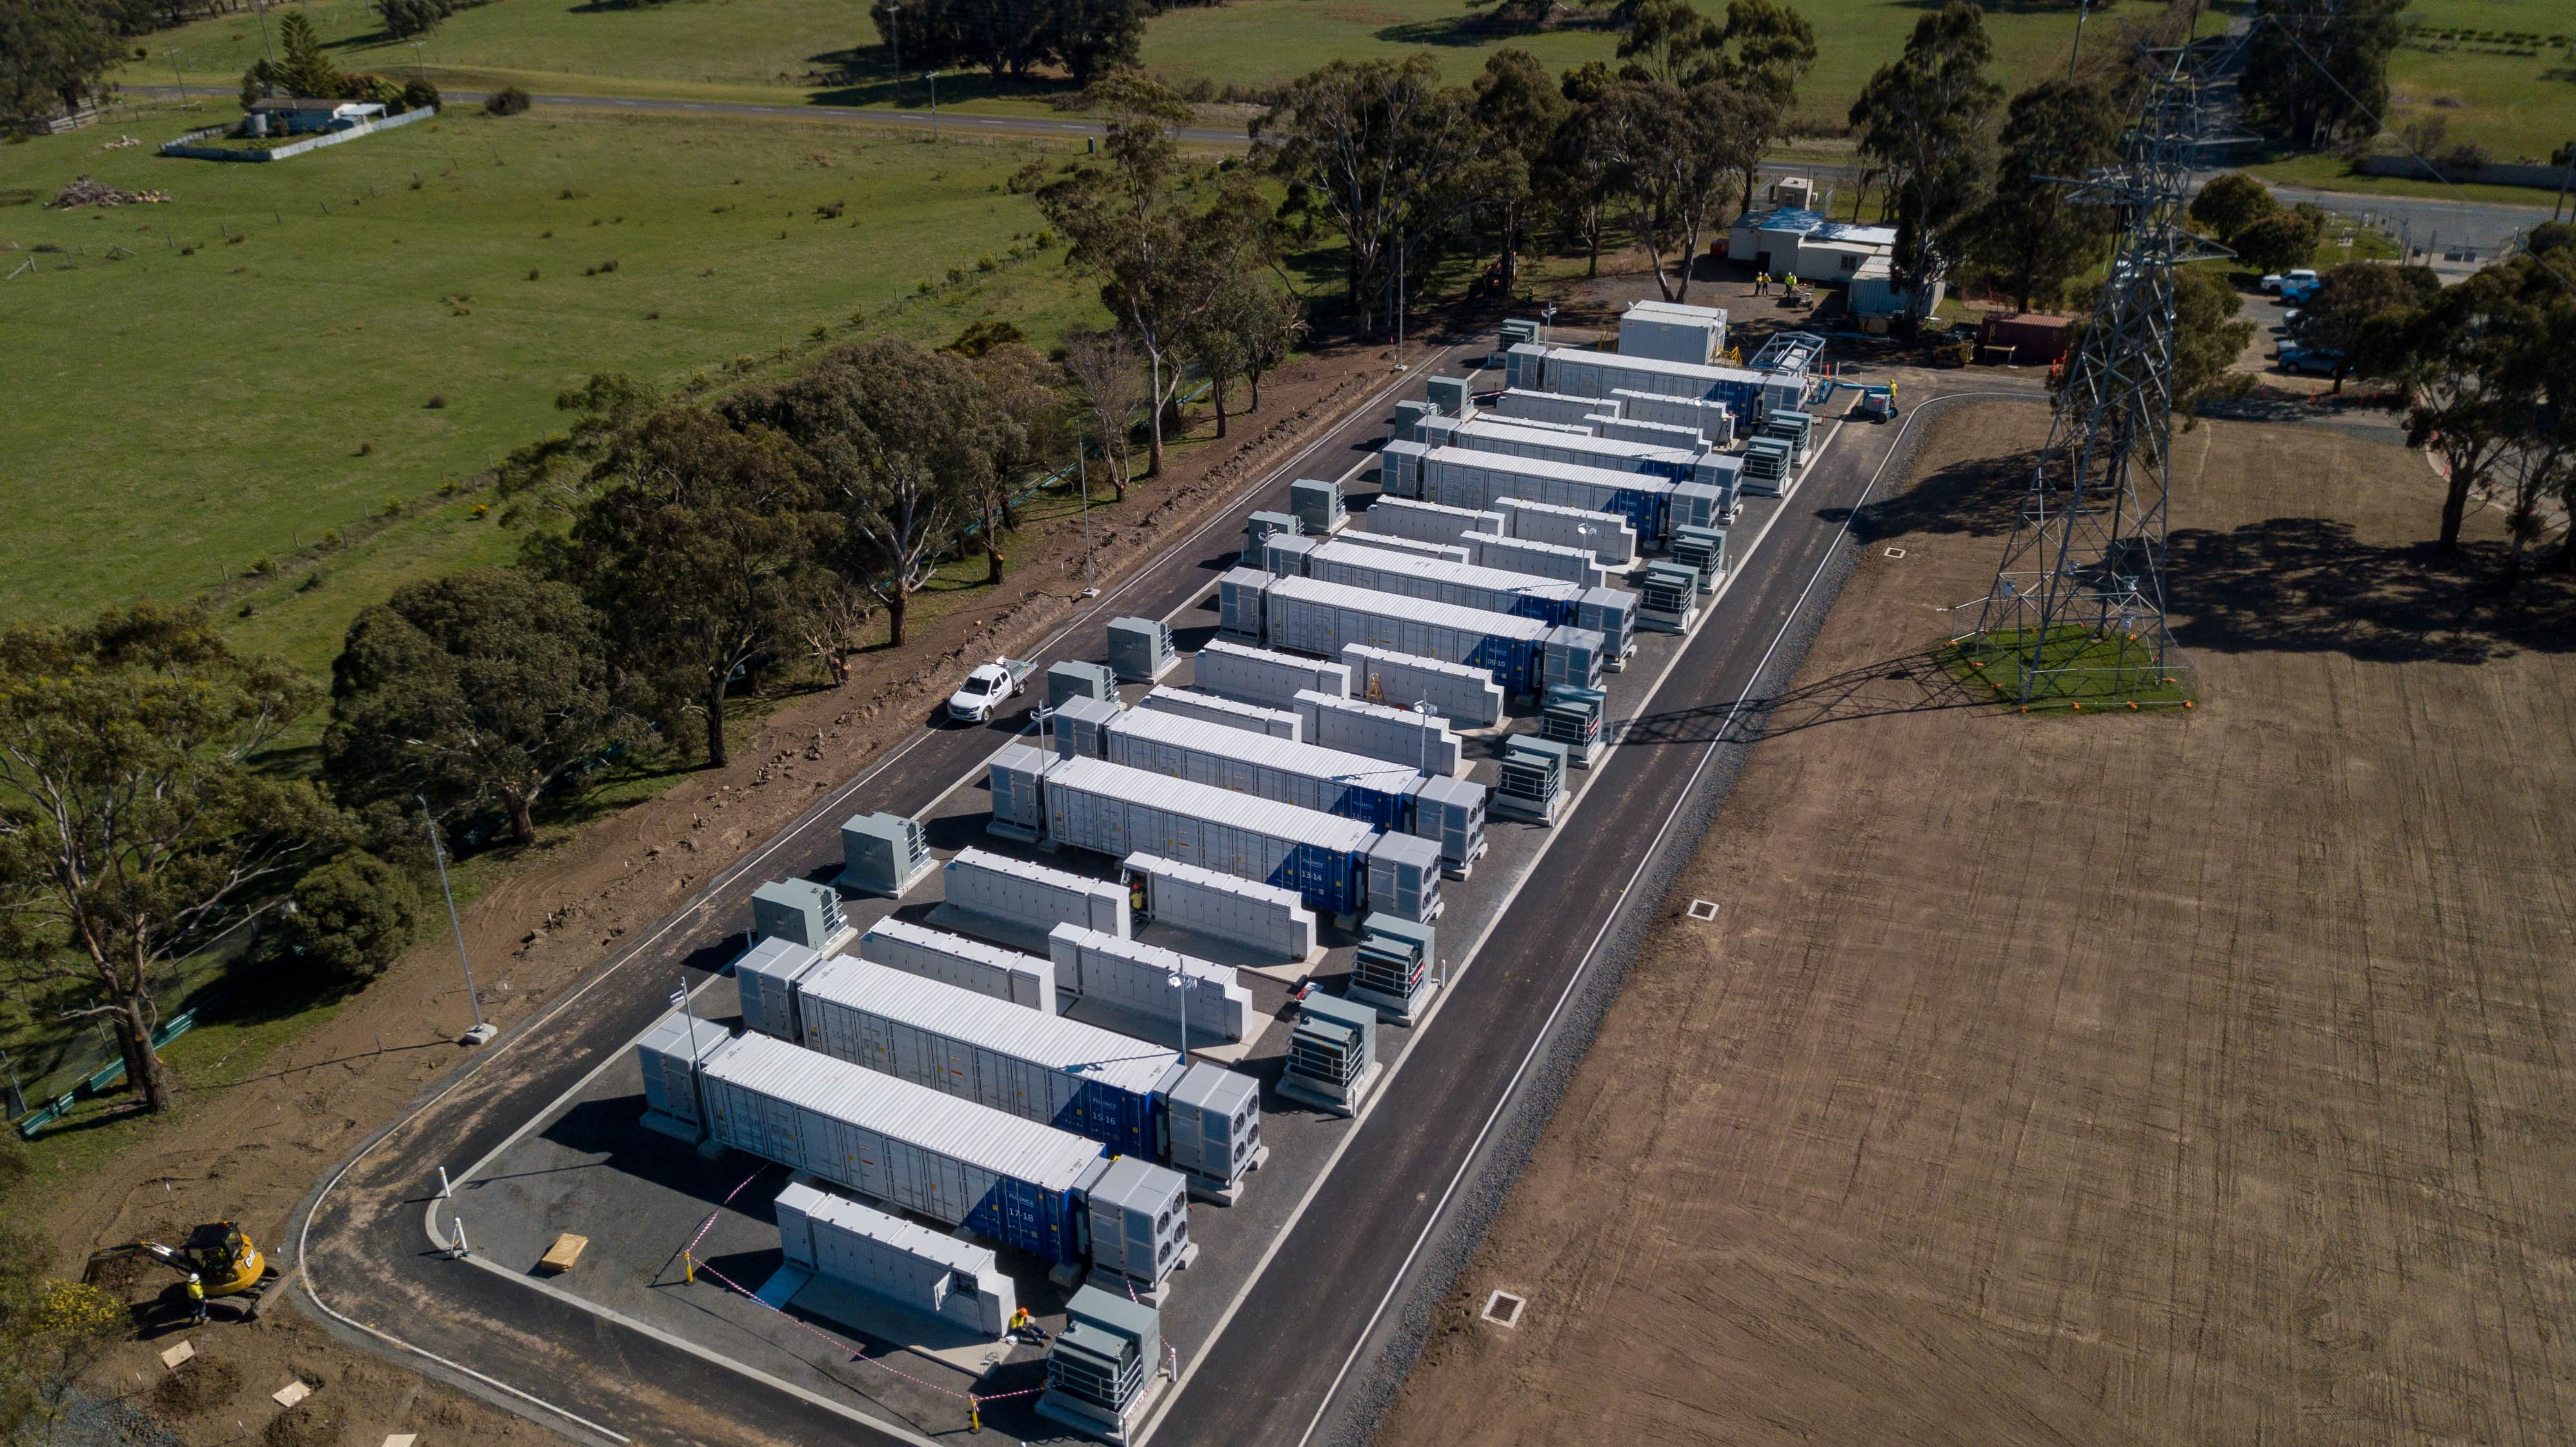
{"points": [[365, 1262]]}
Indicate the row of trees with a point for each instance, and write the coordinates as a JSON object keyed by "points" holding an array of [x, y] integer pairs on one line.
{"points": [[1011, 39]]}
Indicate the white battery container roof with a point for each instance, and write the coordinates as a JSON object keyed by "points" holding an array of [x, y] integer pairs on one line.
{"points": [[1206, 801], [1509, 465], [977, 1135], [1361, 551], [910, 1238], [969, 1018], [1520, 432], [1709, 375], [1420, 610], [1311, 760]]}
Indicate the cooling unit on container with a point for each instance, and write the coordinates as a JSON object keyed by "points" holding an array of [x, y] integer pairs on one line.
{"points": [[798, 910], [1017, 777], [1242, 604], [1258, 529], [886, 1258], [1031, 897], [1081, 727], [1026, 981], [1612, 613], [883, 854], [1332, 1053], [1074, 679], [1263, 918], [1451, 814], [1795, 428], [1213, 1124], [1703, 549], [1264, 677], [1117, 811], [1668, 597], [1101, 1369], [1140, 1224], [1404, 877], [1532, 786], [1450, 396], [765, 977], [1518, 330], [669, 1054], [1381, 731], [1317, 505], [1428, 522], [909, 1146], [1572, 656], [1140, 650], [1572, 717], [1277, 723], [1285, 557], [1709, 505], [1392, 969]]}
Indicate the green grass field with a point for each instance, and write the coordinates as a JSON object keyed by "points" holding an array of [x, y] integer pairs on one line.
{"points": [[178, 416]]}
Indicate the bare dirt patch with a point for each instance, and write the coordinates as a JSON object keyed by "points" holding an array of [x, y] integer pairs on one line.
{"points": [[2163, 1078]]}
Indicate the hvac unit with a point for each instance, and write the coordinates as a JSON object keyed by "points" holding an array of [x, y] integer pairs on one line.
{"points": [[883, 854], [1572, 717], [798, 911], [1392, 969], [1316, 505], [1703, 549], [1099, 1366], [1668, 596], [1140, 650], [1533, 779], [1332, 1053]]}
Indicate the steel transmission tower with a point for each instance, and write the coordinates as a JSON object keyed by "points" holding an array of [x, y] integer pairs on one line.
{"points": [[2079, 602]]}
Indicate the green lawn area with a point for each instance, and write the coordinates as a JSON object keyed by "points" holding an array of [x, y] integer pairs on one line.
{"points": [[2078, 668], [179, 416], [2514, 106]]}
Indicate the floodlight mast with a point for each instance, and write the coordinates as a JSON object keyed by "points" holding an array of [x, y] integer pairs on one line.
{"points": [[2079, 600]]}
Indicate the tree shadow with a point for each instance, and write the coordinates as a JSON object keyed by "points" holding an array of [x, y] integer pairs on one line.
{"points": [[1456, 31], [2309, 585]]}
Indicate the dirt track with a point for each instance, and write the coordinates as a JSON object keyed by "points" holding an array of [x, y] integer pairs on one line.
{"points": [[2188, 1078]]}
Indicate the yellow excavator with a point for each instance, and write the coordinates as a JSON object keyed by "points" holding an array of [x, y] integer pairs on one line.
{"points": [[216, 1253]]}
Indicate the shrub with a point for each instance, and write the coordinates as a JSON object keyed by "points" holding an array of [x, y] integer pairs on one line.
{"points": [[511, 101], [420, 95], [366, 449], [437, 402], [352, 916], [330, 538], [263, 565], [312, 580]]}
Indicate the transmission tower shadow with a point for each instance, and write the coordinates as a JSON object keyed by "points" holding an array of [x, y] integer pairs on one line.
{"points": [[1909, 683]]}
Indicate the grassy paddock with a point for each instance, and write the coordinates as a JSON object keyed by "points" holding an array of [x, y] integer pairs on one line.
{"points": [[2077, 667], [399, 312]]}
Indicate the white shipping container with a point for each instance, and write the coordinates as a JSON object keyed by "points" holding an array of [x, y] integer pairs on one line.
{"points": [[1138, 976], [1239, 602], [1109, 809], [1212, 708], [901, 1143], [1032, 895], [1400, 680], [1609, 537], [1260, 676], [1324, 618], [1463, 477], [887, 1256], [1577, 566], [989, 970], [1714, 423], [1546, 406], [1428, 522], [973, 1046], [1381, 731], [1672, 332], [1262, 917], [1511, 439], [1655, 434], [1291, 773], [1389, 542], [1598, 374]]}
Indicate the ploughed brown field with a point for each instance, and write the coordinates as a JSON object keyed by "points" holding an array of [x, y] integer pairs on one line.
{"points": [[2187, 1078]]}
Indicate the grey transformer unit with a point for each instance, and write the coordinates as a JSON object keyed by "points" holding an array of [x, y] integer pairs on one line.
{"points": [[883, 854], [799, 911], [1140, 650]]}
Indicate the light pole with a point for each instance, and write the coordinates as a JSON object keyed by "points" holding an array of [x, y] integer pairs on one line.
{"points": [[1181, 992], [2082, 9], [481, 1031], [1082, 470], [1546, 319], [1422, 707], [419, 67], [1399, 305], [932, 76]]}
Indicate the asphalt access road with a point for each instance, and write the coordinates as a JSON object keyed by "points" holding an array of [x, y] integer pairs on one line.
{"points": [[359, 1237]]}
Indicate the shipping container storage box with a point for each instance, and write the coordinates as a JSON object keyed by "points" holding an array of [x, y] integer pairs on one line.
{"points": [[1261, 676], [1382, 731], [1353, 785], [1360, 563], [1137, 976], [1277, 723], [889, 1257], [1324, 618], [912, 1147], [1260, 917], [1033, 896], [1428, 522], [1459, 691], [1103, 807], [1025, 981]]}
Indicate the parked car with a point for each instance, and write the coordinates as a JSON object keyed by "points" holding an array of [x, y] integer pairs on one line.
{"points": [[2297, 293], [2317, 361], [2276, 281], [987, 688]]}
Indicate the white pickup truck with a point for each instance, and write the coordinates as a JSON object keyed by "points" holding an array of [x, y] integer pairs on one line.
{"points": [[987, 688]]}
